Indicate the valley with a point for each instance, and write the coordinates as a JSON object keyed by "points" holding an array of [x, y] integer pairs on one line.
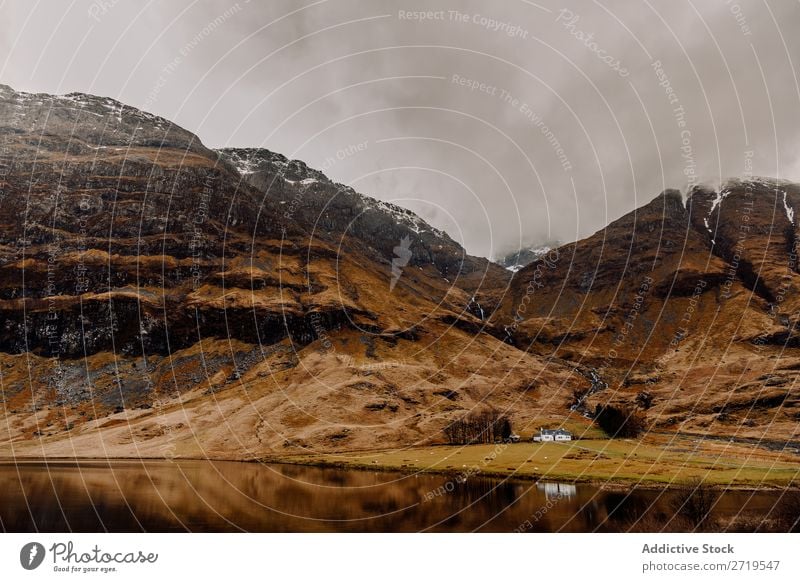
{"points": [[159, 299]]}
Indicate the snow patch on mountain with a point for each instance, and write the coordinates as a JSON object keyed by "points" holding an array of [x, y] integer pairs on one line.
{"points": [[244, 164], [517, 260], [401, 216], [753, 185], [296, 173]]}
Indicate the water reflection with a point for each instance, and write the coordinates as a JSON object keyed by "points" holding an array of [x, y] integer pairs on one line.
{"points": [[557, 490], [222, 496]]}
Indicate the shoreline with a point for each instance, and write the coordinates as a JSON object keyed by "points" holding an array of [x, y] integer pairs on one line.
{"points": [[608, 485], [470, 472]]}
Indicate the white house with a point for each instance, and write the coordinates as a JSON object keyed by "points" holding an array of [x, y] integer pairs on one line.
{"points": [[550, 435]]}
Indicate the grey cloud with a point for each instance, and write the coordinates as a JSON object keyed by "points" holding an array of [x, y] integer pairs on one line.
{"points": [[483, 166]]}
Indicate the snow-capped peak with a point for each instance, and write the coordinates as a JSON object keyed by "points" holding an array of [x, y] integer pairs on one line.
{"points": [[91, 104]]}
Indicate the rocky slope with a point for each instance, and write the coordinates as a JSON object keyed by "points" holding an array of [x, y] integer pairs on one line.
{"points": [[340, 215]]}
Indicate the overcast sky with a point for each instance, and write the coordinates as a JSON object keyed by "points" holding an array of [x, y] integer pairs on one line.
{"points": [[574, 125]]}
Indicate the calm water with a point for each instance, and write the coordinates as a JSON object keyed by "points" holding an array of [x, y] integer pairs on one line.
{"points": [[222, 496]]}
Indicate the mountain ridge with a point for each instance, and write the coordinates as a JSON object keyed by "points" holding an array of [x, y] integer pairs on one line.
{"points": [[233, 303]]}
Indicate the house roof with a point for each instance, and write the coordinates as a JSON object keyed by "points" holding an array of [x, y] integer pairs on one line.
{"points": [[556, 431]]}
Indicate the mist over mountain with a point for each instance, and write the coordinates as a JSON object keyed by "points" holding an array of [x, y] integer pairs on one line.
{"points": [[497, 139]]}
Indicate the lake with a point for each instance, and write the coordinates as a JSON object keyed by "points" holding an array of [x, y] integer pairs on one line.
{"points": [[212, 496]]}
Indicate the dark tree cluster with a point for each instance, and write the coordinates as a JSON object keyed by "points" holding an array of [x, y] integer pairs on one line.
{"points": [[619, 421], [486, 427]]}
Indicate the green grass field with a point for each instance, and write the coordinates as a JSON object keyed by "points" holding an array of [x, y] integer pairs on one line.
{"points": [[656, 461]]}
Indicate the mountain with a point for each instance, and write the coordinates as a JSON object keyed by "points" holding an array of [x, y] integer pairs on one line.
{"points": [[516, 260], [685, 310], [160, 298]]}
